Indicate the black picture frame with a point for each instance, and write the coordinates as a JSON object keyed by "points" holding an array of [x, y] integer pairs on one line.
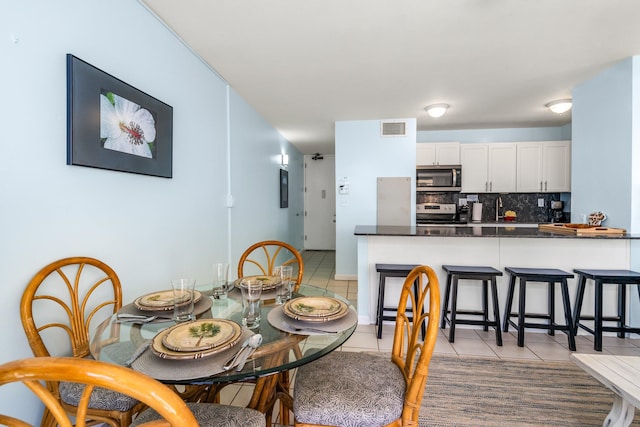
{"points": [[284, 188], [95, 102]]}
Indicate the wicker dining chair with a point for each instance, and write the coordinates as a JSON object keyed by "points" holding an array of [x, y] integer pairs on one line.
{"points": [[262, 257], [366, 389], [165, 408], [67, 296], [92, 376]]}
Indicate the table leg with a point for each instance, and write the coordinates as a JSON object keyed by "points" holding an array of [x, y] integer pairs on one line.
{"points": [[621, 414]]}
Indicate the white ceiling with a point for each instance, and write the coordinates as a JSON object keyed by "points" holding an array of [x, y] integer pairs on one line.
{"points": [[305, 64]]}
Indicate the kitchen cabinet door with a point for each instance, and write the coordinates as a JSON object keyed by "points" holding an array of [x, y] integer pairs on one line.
{"points": [[502, 168], [438, 153], [425, 154], [529, 167], [475, 165], [557, 166]]}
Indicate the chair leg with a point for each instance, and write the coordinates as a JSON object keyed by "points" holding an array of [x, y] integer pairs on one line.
{"points": [[496, 311], [522, 290], [416, 291], [582, 280], [597, 326], [379, 320], [507, 312], [622, 309], [567, 314], [445, 308], [551, 300], [454, 308], [485, 305]]}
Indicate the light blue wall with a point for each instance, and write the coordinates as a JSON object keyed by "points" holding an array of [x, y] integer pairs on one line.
{"points": [[606, 152], [496, 135], [602, 145], [255, 178], [362, 155], [148, 229]]}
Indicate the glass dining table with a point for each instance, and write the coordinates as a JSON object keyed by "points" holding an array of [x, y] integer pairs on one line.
{"points": [[282, 349]]}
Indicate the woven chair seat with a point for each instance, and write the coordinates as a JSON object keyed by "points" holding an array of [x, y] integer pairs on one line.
{"points": [[349, 389], [213, 415], [101, 398]]}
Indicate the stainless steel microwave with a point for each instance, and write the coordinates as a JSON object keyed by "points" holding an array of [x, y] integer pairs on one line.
{"points": [[439, 178]]}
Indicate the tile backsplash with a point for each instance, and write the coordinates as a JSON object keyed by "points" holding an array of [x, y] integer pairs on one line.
{"points": [[524, 204]]}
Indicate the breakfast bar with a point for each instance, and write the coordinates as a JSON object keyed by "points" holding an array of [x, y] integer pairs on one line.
{"points": [[496, 246]]}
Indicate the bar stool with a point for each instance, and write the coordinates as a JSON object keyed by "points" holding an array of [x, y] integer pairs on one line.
{"points": [[392, 270], [603, 277], [551, 276], [486, 274]]}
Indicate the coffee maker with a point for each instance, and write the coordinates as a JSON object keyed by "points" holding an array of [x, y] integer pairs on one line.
{"points": [[556, 213]]}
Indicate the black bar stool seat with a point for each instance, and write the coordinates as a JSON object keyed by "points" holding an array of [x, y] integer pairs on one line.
{"points": [[604, 277], [486, 275], [392, 270], [551, 276]]}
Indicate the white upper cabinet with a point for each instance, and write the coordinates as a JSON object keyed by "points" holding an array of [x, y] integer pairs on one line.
{"points": [[475, 165], [488, 168], [544, 167], [437, 153], [502, 168]]}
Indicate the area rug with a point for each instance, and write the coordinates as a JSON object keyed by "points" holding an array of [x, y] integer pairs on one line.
{"points": [[473, 392]]}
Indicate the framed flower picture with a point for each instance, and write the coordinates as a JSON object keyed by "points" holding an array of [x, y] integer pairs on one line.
{"points": [[112, 125]]}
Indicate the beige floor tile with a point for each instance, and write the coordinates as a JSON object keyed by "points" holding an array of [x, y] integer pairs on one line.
{"points": [[472, 347]]}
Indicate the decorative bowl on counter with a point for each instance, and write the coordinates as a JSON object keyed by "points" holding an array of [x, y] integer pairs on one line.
{"points": [[510, 218]]}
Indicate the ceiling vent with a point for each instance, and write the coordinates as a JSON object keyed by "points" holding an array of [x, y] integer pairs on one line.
{"points": [[393, 128]]}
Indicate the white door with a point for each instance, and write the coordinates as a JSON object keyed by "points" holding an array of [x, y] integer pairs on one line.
{"points": [[320, 203]]}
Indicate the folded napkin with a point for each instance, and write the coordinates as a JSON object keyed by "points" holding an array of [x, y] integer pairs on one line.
{"points": [[200, 307], [279, 320], [183, 370]]}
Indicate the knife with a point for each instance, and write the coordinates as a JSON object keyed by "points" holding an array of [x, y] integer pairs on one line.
{"points": [[232, 361]]}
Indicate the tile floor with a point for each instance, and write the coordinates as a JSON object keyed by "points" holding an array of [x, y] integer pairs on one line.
{"points": [[320, 270]]}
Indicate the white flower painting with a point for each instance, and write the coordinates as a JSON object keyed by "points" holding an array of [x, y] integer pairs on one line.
{"points": [[125, 126]]}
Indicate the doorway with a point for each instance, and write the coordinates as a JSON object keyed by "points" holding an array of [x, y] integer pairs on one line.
{"points": [[319, 202]]}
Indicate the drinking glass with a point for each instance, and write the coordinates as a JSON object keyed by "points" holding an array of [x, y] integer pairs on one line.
{"points": [[251, 292], [183, 290], [283, 274], [220, 280]]}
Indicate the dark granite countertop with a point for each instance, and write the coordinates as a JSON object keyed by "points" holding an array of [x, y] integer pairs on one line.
{"points": [[476, 231]]}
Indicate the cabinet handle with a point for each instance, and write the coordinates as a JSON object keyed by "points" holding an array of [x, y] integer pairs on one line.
{"points": [[486, 186], [540, 185], [490, 186], [545, 186]]}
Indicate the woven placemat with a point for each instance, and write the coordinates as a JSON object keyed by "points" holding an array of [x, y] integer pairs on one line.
{"points": [[279, 320], [181, 370]]}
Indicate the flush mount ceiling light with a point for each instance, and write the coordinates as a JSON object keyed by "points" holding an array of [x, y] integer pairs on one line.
{"points": [[560, 106], [437, 110]]}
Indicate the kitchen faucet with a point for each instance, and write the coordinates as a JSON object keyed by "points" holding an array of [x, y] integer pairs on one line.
{"points": [[498, 207]]}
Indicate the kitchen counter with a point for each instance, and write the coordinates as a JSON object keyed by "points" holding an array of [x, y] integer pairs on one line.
{"points": [[498, 246], [482, 230]]}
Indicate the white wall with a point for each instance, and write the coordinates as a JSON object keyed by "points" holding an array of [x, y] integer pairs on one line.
{"points": [[362, 155], [148, 229]]}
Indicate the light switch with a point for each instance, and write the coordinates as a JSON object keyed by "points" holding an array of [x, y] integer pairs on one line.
{"points": [[541, 203]]}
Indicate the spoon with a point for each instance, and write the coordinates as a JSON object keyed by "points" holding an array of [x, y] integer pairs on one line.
{"points": [[254, 342]]}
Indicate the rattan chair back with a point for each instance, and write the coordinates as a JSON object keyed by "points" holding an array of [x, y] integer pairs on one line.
{"points": [[57, 309], [409, 352], [91, 373], [262, 257]]}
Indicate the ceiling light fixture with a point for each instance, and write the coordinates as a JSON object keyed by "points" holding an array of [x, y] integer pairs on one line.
{"points": [[560, 106], [437, 110]]}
